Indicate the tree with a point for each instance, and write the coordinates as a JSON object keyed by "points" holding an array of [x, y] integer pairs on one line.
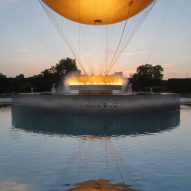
{"points": [[157, 72], [147, 76], [20, 76], [54, 74], [65, 66], [2, 76], [40, 82]]}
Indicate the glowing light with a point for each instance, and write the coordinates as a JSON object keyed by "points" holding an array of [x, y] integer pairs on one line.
{"points": [[96, 138], [104, 185], [98, 12], [95, 80]]}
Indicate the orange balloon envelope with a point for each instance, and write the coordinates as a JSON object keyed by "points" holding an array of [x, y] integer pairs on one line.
{"points": [[97, 12]]}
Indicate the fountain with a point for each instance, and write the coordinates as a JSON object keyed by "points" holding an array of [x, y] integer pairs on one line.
{"points": [[105, 95]]}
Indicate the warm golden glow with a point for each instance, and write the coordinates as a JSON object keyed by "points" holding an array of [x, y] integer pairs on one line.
{"points": [[102, 185], [96, 138], [98, 12], [95, 80]]}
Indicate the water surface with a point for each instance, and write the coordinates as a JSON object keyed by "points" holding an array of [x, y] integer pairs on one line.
{"points": [[45, 151]]}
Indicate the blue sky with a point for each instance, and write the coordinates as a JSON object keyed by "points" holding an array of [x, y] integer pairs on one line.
{"points": [[30, 43]]}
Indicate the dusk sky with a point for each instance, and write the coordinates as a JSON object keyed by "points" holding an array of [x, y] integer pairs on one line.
{"points": [[29, 43]]}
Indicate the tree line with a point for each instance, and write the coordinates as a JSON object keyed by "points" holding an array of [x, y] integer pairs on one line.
{"points": [[41, 82], [146, 78], [150, 77]]}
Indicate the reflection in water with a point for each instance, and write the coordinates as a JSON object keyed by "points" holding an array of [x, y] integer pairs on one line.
{"points": [[103, 185], [59, 162], [40, 120], [13, 186], [101, 158], [95, 138]]}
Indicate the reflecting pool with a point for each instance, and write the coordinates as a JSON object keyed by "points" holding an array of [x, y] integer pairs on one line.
{"points": [[44, 150]]}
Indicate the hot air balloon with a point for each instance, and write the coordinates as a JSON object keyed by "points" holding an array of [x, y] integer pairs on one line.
{"points": [[96, 32], [97, 12]]}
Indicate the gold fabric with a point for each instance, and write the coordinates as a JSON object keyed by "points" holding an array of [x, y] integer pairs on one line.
{"points": [[97, 12]]}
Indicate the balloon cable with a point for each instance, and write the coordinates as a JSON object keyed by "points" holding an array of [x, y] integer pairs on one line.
{"points": [[116, 57], [55, 23]]}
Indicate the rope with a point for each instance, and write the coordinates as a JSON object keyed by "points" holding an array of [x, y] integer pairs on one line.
{"points": [[136, 27], [120, 40], [159, 32], [56, 24], [106, 47], [114, 153], [41, 31]]}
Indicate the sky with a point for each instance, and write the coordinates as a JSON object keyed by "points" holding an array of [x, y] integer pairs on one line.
{"points": [[30, 43]]}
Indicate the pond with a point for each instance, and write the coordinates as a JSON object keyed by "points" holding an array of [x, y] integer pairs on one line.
{"points": [[44, 150]]}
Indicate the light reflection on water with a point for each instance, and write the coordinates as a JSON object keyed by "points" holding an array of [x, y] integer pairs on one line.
{"points": [[48, 151]]}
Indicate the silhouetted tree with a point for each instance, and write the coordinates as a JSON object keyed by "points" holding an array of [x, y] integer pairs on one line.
{"points": [[20, 76], [65, 66], [2, 76], [57, 72], [40, 82], [147, 76]]}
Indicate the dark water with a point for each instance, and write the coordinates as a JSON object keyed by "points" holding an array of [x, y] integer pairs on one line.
{"points": [[45, 151]]}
